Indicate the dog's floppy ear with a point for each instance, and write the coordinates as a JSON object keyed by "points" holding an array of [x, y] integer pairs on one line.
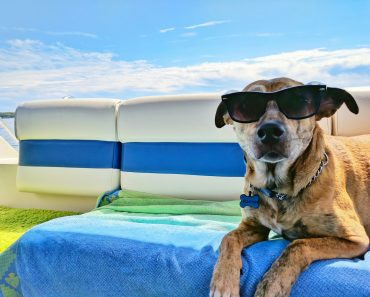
{"points": [[222, 116], [333, 100]]}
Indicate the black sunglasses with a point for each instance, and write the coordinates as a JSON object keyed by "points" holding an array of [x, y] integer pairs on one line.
{"points": [[295, 103]]}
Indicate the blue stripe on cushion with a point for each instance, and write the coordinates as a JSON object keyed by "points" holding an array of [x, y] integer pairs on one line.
{"points": [[70, 153], [210, 159]]}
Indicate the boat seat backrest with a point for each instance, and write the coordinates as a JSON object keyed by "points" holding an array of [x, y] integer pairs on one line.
{"points": [[349, 124], [68, 146], [171, 146], [165, 145]]}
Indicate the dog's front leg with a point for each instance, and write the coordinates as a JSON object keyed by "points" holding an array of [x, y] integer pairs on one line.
{"points": [[298, 255], [226, 274]]}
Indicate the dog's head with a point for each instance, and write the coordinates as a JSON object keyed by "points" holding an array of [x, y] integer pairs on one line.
{"points": [[273, 137]]}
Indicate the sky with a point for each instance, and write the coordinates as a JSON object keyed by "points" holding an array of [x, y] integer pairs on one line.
{"points": [[123, 49]]}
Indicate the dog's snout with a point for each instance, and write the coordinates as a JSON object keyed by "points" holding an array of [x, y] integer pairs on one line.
{"points": [[270, 132]]}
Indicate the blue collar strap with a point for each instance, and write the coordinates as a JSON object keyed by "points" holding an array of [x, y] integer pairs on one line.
{"points": [[271, 194]]}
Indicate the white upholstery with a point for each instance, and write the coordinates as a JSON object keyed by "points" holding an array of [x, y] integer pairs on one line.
{"points": [[67, 181], [68, 121], [349, 124], [175, 118], [82, 119], [184, 186], [181, 118], [160, 119], [171, 118]]}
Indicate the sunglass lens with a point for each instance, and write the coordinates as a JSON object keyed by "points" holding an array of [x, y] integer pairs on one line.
{"points": [[245, 107], [298, 103]]}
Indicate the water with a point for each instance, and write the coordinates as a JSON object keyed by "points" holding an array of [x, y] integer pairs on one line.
{"points": [[7, 132]]}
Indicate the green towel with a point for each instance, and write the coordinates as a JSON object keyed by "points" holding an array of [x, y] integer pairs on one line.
{"points": [[139, 207], [138, 202], [148, 208]]}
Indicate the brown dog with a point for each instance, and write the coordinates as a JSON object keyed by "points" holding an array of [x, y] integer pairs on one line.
{"points": [[324, 218]]}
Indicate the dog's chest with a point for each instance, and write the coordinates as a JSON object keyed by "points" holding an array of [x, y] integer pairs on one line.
{"points": [[280, 217]]}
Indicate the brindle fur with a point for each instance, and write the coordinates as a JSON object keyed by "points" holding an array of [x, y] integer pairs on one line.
{"points": [[329, 219]]}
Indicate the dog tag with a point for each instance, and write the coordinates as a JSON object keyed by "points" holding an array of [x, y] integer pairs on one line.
{"points": [[249, 200]]}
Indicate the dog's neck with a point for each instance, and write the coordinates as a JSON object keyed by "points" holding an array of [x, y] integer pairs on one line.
{"points": [[288, 176]]}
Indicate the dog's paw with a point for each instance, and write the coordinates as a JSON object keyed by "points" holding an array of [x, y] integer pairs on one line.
{"points": [[225, 283], [217, 293]]}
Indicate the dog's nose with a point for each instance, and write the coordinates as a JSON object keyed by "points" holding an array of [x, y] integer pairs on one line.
{"points": [[270, 132]]}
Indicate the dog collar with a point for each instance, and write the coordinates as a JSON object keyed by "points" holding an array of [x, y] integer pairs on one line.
{"points": [[270, 193], [253, 200], [249, 200]]}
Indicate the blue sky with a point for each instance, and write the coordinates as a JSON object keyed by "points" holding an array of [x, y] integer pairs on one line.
{"points": [[50, 49]]}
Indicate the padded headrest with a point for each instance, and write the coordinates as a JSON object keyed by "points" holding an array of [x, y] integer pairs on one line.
{"points": [[171, 118], [68, 146], [81, 119], [172, 147]]}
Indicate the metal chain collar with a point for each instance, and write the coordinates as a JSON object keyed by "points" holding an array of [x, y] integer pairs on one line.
{"points": [[323, 163]]}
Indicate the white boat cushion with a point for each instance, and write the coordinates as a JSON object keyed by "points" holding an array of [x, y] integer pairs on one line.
{"points": [[349, 124], [171, 146], [68, 146]]}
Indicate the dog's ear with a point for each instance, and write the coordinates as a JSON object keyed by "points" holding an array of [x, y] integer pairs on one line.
{"points": [[333, 100], [222, 116]]}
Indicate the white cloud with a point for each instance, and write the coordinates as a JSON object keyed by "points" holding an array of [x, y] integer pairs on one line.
{"points": [[165, 30], [19, 29], [207, 24], [72, 33], [30, 69], [55, 33]]}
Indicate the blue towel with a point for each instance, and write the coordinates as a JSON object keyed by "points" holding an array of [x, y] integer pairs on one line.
{"points": [[102, 254]]}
